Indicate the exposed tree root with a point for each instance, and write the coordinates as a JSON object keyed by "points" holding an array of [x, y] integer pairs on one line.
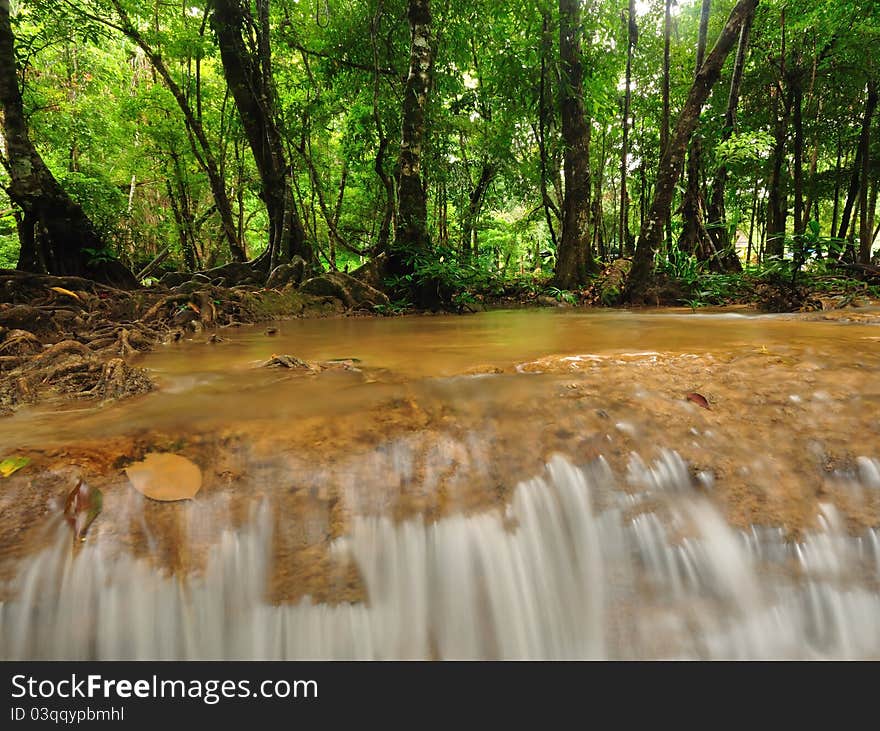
{"points": [[73, 337]]}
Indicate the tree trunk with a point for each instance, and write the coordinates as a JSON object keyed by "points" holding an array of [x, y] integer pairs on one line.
{"points": [[544, 111], [54, 230], [673, 158], [812, 198], [598, 238], [475, 204], [777, 197], [632, 39], [198, 140], [574, 259], [694, 239], [387, 180], [864, 140], [866, 214], [411, 235], [797, 101], [717, 214], [246, 56], [664, 118], [837, 169]]}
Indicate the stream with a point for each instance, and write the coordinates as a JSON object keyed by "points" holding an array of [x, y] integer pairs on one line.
{"points": [[521, 484]]}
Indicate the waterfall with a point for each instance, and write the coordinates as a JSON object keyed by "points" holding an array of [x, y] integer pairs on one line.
{"points": [[579, 564]]}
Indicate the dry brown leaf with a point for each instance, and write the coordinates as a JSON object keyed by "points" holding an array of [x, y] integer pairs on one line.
{"points": [[67, 292], [81, 507], [164, 476]]}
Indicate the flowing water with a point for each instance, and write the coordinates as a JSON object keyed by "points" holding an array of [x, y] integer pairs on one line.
{"points": [[507, 485]]}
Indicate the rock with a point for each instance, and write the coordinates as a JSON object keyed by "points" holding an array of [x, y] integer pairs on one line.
{"points": [[174, 279], [373, 272], [352, 292], [290, 273]]}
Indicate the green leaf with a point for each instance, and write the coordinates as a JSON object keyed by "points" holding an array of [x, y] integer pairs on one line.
{"points": [[11, 465]]}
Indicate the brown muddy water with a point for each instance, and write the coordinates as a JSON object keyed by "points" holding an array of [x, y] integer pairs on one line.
{"points": [[512, 484]]}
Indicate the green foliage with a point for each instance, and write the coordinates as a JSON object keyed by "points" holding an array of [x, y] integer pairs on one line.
{"points": [[562, 295], [680, 265], [102, 118], [8, 242], [744, 148], [102, 201]]}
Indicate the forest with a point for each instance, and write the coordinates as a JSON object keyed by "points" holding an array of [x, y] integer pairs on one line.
{"points": [[438, 330], [464, 149]]}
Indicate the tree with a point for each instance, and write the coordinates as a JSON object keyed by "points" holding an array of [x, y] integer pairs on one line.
{"points": [[727, 257], [575, 257], [673, 157], [56, 235], [694, 238], [246, 54], [632, 38], [411, 237], [198, 139]]}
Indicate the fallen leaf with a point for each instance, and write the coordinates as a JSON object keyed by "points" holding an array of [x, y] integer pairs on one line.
{"points": [[11, 465], [67, 292], [698, 399], [82, 507], [165, 477]]}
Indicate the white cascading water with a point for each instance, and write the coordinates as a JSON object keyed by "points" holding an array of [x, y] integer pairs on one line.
{"points": [[552, 578]]}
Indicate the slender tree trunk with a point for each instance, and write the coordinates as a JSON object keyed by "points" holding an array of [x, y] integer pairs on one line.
{"points": [[664, 117], [574, 258], [866, 214], [777, 198], [872, 212], [864, 141], [752, 222], [837, 169], [544, 111], [598, 237], [694, 239], [632, 39], [797, 100], [388, 210], [201, 148], [475, 204], [812, 200], [717, 214], [54, 230], [673, 158]]}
